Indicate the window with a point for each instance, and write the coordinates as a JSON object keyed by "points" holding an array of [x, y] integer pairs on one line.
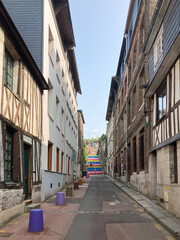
{"points": [[8, 70], [141, 90], [50, 147], [50, 100], [141, 149], [8, 155], [173, 163], [57, 112], [51, 49], [134, 154], [11, 154], [134, 103], [161, 102], [57, 160], [62, 159], [158, 48]]}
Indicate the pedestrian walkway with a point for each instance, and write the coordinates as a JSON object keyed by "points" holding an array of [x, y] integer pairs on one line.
{"points": [[167, 220], [57, 219]]}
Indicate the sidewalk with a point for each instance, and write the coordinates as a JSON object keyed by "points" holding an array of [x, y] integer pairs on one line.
{"points": [[166, 219], [57, 219]]}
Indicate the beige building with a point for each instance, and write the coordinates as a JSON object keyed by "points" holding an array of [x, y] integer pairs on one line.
{"points": [[21, 94]]}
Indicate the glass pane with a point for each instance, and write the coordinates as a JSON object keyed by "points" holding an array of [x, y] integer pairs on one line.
{"points": [[164, 104], [8, 155], [160, 108]]}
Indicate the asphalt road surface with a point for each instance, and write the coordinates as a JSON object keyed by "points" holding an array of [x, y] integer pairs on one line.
{"points": [[107, 213]]}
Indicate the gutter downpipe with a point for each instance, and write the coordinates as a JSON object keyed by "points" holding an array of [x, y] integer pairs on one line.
{"points": [[127, 115]]}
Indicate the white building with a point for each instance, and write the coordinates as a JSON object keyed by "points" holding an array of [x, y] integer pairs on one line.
{"points": [[47, 30]]}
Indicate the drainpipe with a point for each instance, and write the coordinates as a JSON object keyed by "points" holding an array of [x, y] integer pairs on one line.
{"points": [[127, 113]]}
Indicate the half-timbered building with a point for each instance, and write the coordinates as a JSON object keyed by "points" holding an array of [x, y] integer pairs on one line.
{"points": [[163, 48], [21, 90], [46, 27]]}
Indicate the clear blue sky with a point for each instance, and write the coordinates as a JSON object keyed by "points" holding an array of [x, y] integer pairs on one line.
{"points": [[98, 28]]}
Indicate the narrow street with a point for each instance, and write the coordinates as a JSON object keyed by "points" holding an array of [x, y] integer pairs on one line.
{"points": [[97, 210], [107, 213]]}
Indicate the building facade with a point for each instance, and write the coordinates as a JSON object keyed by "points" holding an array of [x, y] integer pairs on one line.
{"points": [[102, 152], [92, 147], [163, 49], [21, 93], [52, 46], [146, 103], [81, 123]]}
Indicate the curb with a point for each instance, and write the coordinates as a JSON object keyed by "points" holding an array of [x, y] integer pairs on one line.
{"points": [[151, 208]]}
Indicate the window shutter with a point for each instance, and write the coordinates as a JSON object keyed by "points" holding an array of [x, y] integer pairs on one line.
{"points": [[16, 157]]}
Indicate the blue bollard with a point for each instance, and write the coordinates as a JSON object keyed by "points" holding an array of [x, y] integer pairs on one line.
{"points": [[36, 220], [60, 198]]}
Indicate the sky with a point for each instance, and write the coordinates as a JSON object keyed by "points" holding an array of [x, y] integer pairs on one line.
{"points": [[98, 28]]}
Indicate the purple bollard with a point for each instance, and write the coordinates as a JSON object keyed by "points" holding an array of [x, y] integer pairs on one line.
{"points": [[36, 220], [60, 198]]}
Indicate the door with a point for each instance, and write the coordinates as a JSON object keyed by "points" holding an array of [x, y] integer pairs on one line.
{"points": [[27, 179]]}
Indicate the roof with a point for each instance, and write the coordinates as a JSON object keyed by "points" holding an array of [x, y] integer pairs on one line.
{"points": [[113, 90], [80, 111], [19, 44], [63, 18]]}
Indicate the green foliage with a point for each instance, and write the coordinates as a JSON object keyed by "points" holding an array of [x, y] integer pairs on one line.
{"points": [[84, 154], [91, 140], [103, 137]]}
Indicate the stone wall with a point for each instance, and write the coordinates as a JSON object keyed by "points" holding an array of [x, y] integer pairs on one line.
{"points": [[140, 182], [10, 198], [11, 204]]}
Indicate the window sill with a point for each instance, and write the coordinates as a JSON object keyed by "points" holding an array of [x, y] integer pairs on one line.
{"points": [[12, 184]]}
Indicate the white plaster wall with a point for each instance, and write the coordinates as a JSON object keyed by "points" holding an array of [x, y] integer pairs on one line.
{"points": [[53, 178], [61, 137]]}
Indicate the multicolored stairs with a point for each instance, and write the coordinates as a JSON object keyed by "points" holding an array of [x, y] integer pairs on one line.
{"points": [[94, 167]]}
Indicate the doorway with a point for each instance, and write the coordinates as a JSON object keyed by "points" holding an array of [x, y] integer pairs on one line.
{"points": [[27, 171], [153, 175]]}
